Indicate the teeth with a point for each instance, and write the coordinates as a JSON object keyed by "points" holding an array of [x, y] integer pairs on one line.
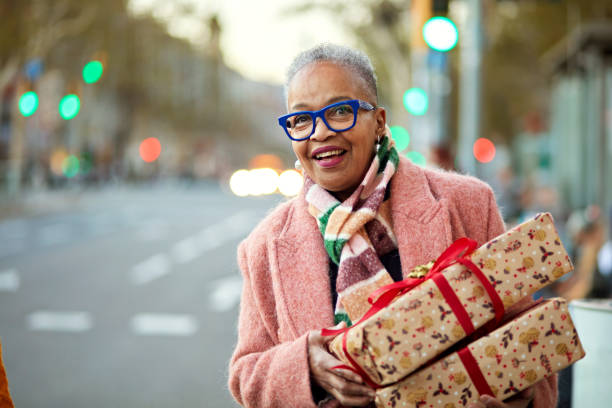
{"points": [[329, 153]]}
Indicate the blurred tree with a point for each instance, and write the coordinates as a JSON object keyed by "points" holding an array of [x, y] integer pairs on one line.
{"points": [[381, 30], [517, 35], [31, 29]]}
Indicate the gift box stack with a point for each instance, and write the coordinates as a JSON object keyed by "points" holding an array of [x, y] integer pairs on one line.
{"points": [[411, 323]]}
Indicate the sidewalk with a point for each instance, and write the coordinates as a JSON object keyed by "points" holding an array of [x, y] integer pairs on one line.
{"points": [[34, 203]]}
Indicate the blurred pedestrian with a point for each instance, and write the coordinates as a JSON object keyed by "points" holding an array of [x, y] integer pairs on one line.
{"points": [[363, 211], [587, 229]]}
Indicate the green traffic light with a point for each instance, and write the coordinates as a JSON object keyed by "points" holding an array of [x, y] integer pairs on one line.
{"points": [[416, 101], [401, 137], [69, 106], [440, 33], [28, 103], [92, 71]]}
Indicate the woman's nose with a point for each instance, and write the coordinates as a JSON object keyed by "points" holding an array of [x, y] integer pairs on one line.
{"points": [[321, 131]]}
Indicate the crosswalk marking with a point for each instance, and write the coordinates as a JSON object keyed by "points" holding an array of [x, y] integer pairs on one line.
{"points": [[63, 321], [9, 280], [226, 293], [164, 325]]}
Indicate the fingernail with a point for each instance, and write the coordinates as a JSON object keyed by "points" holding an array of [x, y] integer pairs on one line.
{"points": [[485, 399]]}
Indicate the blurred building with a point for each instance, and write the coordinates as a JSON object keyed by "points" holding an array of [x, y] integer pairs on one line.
{"points": [[209, 119], [581, 116]]}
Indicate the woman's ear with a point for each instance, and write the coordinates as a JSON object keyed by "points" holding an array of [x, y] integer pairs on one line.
{"points": [[381, 120]]}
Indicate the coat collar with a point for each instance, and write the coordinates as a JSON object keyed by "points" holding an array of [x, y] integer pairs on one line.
{"points": [[420, 222]]}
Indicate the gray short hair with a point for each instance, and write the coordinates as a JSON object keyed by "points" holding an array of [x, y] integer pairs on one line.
{"points": [[353, 59]]}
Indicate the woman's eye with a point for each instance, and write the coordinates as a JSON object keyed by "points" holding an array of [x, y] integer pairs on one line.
{"points": [[301, 119], [342, 110]]}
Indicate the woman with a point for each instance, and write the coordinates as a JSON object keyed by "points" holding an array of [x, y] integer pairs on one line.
{"points": [[292, 276]]}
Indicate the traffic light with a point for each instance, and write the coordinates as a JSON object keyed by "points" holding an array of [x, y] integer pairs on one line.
{"points": [[416, 101], [28, 103], [440, 34], [69, 106], [92, 72]]}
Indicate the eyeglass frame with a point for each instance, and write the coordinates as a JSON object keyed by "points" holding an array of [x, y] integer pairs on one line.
{"points": [[356, 104]]}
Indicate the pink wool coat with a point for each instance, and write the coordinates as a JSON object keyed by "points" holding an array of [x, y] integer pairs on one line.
{"points": [[286, 289]]}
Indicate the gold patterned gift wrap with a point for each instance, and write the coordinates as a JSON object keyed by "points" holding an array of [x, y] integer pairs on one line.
{"points": [[428, 319], [536, 344]]}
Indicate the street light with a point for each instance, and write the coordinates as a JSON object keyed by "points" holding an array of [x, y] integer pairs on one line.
{"points": [[440, 34]]}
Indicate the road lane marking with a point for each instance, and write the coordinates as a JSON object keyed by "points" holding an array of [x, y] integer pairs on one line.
{"points": [[186, 250], [63, 321], [9, 280], [147, 324], [192, 247], [150, 269], [226, 293]]}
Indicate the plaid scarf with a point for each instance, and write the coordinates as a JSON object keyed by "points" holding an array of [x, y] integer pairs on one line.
{"points": [[357, 232]]}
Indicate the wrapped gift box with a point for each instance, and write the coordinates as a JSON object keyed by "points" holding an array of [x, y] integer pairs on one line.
{"points": [[423, 322], [536, 344]]}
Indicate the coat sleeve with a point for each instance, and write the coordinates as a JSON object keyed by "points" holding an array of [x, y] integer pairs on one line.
{"points": [[546, 392], [5, 396], [264, 372]]}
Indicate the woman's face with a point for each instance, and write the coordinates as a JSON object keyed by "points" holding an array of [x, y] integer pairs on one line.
{"points": [[314, 87]]}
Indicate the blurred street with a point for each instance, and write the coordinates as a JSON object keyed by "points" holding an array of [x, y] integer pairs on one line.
{"points": [[124, 297]]}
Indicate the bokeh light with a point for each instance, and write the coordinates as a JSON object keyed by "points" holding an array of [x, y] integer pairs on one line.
{"points": [[416, 101], [92, 72], [271, 161], [69, 106], [416, 157], [440, 33], [150, 149], [86, 163], [401, 137], [290, 183], [484, 150], [56, 161], [28, 103], [263, 181], [70, 166], [240, 183]]}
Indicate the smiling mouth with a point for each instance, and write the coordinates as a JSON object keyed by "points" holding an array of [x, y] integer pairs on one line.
{"points": [[329, 154]]}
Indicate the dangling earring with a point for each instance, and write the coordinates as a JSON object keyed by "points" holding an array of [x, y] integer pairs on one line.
{"points": [[298, 165], [377, 145]]}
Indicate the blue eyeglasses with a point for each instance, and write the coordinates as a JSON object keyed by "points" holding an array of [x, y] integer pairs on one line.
{"points": [[338, 117]]}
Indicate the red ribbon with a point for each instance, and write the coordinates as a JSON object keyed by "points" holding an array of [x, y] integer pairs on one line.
{"points": [[457, 252], [473, 370]]}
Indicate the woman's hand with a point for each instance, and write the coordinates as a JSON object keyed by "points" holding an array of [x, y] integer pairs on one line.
{"points": [[520, 400], [344, 385]]}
